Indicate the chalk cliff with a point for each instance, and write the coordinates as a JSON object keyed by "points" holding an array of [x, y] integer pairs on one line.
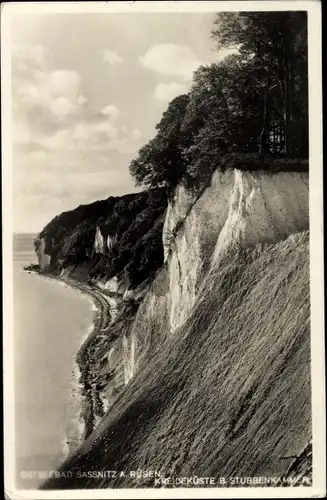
{"points": [[42, 257], [204, 366]]}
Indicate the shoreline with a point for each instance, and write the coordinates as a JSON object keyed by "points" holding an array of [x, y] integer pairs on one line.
{"points": [[101, 320]]}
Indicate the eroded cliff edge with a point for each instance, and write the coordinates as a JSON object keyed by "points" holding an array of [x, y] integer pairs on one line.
{"points": [[205, 367]]}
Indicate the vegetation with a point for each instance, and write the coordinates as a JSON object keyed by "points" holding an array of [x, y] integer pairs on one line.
{"points": [[32, 267], [254, 102], [136, 221], [161, 162], [249, 110]]}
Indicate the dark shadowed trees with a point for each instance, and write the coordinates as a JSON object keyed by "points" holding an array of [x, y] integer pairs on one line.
{"points": [[277, 44], [160, 162], [252, 102]]}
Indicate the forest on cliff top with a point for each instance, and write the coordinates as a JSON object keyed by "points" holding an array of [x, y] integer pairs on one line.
{"points": [[249, 110], [253, 103]]}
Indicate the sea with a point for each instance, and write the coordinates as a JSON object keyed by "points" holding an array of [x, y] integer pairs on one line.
{"points": [[51, 321]]}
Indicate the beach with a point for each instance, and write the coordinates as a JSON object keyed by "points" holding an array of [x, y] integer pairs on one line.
{"points": [[101, 321], [54, 320]]}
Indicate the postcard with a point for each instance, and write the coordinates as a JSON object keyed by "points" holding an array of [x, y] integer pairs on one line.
{"points": [[163, 250]]}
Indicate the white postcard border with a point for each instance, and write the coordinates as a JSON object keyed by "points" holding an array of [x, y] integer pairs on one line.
{"points": [[316, 245]]}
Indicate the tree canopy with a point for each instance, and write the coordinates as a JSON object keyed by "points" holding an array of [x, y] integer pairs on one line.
{"points": [[254, 101], [276, 42], [160, 163]]}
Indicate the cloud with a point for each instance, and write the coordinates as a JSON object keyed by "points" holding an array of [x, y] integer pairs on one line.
{"points": [[65, 83], [223, 53], [43, 97], [167, 91], [171, 59], [31, 57], [61, 142], [62, 107], [52, 111], [82, 100], [137, 134], [111, 57], [110, 110]]}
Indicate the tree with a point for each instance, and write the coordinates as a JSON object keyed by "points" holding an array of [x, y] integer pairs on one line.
{"points": [[277, 44], [160, 162], [222, 115], [254, 101]]}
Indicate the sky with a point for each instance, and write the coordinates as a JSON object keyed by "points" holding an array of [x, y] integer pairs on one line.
{"points": [[87, 92]]}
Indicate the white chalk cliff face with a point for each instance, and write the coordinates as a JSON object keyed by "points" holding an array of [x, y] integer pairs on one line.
{"points": [[240, 209], [212, 373], [111, 240], [99, 242], [43, 258]]}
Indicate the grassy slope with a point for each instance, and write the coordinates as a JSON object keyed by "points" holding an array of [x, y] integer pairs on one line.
{"points": [[224, 395]]}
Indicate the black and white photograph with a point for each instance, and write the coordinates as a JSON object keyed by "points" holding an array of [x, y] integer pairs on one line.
{"points": [[163, 250]]}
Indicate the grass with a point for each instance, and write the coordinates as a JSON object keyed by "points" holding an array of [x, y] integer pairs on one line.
{"points": [[223, 395]]}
